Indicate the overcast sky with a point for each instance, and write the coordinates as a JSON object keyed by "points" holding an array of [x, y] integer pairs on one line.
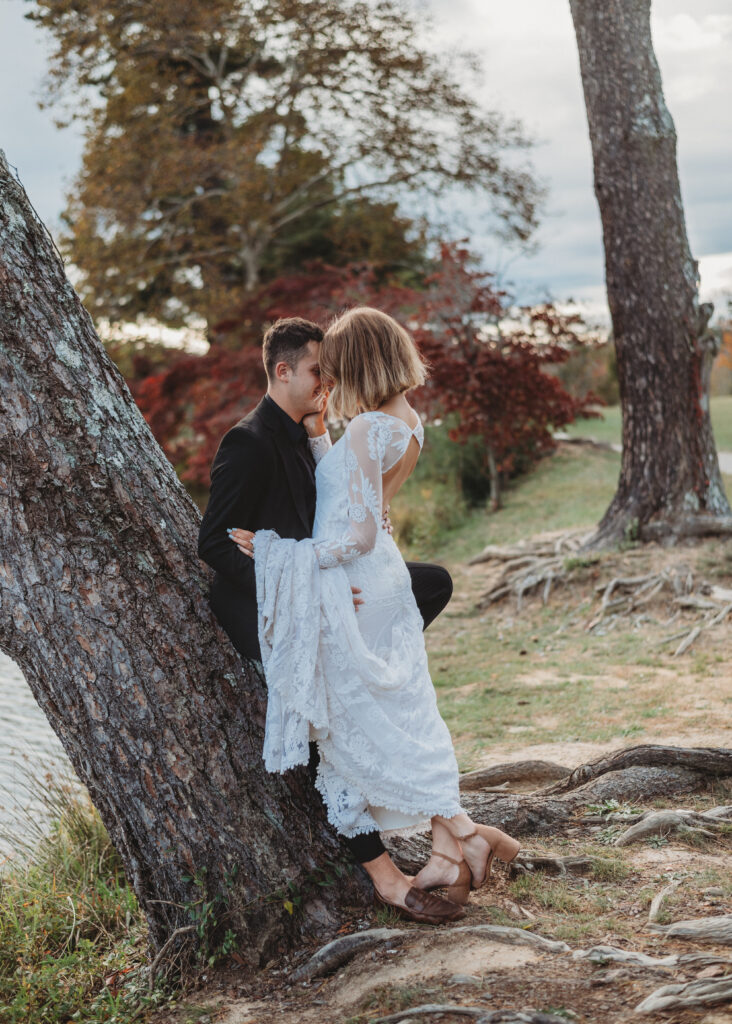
{"points": [[531, 72]]}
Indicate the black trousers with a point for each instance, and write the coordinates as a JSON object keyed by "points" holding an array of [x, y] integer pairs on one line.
{"points": [[432, 589]]}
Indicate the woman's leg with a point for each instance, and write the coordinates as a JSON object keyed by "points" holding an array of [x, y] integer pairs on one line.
{"points": [[349, 812], [443, 867], [395, 889], [388, 880], [479, 844]]}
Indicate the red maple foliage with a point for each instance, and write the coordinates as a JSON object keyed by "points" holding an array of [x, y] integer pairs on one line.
{"points": [[489, 366], [488, 372]]}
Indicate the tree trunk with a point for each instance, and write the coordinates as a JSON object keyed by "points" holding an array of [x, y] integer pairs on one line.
{"points": [[103, 606], [670, 476]]}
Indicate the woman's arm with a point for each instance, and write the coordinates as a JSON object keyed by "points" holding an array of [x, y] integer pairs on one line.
{"points": [[364, 454]]}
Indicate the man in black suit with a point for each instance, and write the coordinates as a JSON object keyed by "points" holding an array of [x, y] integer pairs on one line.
{"points": [[263, 477]]}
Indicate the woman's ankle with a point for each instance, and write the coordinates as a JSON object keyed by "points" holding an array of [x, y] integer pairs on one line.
{"points": [[460, 826], [386, 876]]}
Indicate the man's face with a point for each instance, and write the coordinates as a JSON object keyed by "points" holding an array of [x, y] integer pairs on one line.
{"points": [[304, 385]]}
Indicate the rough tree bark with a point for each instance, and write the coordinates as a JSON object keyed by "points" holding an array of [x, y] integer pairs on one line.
{"points": [[670, 484], [102, 604]]}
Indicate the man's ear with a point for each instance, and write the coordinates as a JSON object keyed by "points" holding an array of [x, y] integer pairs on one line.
{"points": [[282, 372]]}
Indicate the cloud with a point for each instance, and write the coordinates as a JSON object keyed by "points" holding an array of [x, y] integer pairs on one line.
{"points": [[683, 33], [46, 158], [530, 71]]}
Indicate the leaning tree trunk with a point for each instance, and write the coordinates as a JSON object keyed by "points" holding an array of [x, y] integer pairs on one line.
{"points": [[670, 484], [102, 604]]}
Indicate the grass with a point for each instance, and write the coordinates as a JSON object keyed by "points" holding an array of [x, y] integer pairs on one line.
{"points": [[564, 491], [608, 428], [532, 677], [72, 937]]}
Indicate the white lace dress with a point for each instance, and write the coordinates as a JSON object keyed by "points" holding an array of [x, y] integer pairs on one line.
{"points": [[357, 682]]}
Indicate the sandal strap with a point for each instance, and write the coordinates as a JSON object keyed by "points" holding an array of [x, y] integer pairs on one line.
{"points": [[436, 853]]}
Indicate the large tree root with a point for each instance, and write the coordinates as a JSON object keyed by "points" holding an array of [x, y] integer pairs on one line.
{"points": [[529, 863], [541, 565], [686, 527], [687, 822], [513, 773], [703, 992], [636, 774], [476, 1013], [713, 761], [701, 929], [343, 949], [340, 950], [605, 954]]}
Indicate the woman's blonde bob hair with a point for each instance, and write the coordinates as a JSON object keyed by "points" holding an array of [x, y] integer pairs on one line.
{"points": [[366, 358]]}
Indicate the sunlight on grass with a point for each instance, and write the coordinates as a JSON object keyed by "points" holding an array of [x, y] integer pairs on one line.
{"points": [[609, 429], [567, 490]]}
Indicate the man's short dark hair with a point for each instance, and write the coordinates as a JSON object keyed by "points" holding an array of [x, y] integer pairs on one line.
{"points": [[286, 341]]}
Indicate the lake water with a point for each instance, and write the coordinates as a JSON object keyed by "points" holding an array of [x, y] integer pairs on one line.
{"points": [[27, 742]]}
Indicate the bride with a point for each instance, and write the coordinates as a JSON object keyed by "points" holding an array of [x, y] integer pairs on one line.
{"points": [[357, 682]]}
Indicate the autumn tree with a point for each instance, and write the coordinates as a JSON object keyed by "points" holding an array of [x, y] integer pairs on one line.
{"points": [[490, 373], [216, 130], [103, 606], [490, 366], [670, 484]]}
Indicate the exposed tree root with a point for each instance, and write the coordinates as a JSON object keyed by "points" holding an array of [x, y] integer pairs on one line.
{"points": [[340, 950], [657, 902], [715, 761], [477, 1013], [529, 863], [686, 527], [703, 992], [542, 565], [518, 772], [655, 823], [529, 565], [604, 954], [566, 543], [636, 774], [701, 929], [512, 936]]}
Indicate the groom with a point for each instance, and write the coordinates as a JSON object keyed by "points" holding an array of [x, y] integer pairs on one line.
{"points": [[263, 477]]}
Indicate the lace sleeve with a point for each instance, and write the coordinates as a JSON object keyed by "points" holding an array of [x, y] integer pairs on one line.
{"points": [[319, 446], [365, 442]]}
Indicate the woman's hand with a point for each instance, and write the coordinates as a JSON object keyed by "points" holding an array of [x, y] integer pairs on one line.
{"points": [[244, 540], [314, 422]]}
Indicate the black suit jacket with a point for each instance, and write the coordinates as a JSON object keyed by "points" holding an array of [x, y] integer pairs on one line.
{"points": [[256, 484]]}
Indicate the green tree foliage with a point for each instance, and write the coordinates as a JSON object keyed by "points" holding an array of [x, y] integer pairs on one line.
{"points": [[218, 131]]}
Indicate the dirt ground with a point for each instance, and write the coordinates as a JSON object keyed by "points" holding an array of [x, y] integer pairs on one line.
{"points": [[682, 701]]}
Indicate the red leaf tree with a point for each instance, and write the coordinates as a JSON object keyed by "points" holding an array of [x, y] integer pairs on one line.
{"points": [[489, 373], [489, 369]]}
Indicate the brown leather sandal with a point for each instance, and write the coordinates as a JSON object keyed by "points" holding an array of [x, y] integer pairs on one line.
{"points": [[500, 845], [459, 890], [422, 906]]}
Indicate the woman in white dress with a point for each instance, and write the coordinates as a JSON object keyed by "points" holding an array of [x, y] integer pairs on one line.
{"points": [[358, 683]]}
